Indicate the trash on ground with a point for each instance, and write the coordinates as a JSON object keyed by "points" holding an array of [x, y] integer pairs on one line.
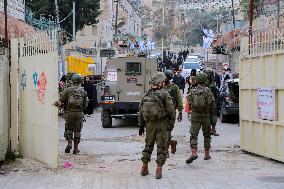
{"points": [[68, 164]]}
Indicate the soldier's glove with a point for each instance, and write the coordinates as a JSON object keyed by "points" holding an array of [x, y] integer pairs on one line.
{"points": [[179, 118], [141, 131]]}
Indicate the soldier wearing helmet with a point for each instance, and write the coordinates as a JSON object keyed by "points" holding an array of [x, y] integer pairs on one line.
{"points": [[174, 91], [75, 100], [200, 100], [155, 108], [213, 111]]}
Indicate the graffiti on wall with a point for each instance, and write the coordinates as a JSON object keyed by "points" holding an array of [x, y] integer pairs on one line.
{"points": [[35, 79], [41, 85], [24, 80]]}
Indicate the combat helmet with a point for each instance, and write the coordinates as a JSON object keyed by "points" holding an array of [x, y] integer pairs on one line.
{"points": [[169, 74], [201, 78], [157, 78], [210, 74], [76, 78], [69, 75]]}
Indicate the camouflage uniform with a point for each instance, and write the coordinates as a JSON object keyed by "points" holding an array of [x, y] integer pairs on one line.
{"points": [[213, 110], [174, 92], [156, 131], [200, 118], [73, 116]]}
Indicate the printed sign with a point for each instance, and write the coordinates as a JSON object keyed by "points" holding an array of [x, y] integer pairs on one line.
{"points": [[131, 80], [133, 94], [266, 103], [16, 8], [107, 53], [112, 75]]}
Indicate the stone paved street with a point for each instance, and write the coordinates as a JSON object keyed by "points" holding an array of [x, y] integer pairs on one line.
{"points": [[110, 159]]}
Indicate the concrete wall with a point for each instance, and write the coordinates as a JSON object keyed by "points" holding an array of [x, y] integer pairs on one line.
{"points": [[4, 108]]}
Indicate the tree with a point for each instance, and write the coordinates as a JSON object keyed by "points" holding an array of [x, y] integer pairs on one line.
{"points": [[87, 11], [258, 7], [194, 32]]}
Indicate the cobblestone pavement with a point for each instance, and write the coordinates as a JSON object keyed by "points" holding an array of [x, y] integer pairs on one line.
{"points": [[110, 159]]}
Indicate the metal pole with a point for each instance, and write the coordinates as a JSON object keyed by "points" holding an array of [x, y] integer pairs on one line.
{"points": [[251, 14], [116, 18], [207, 56], [101, 66], [74, 21], [57, 14], [163, 34], [217, 18], [6, 42], [278, 12], [233, 14], [218, 25], [60, 47]]}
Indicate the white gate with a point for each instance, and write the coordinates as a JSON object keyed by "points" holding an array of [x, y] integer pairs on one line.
{"points": [[262, 94], [34, 88]]}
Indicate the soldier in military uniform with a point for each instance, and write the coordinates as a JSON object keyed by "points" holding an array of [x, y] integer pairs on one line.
{"points": [[155, 109], [200, 100], [213, 111], [174, 91], [75, 100]]}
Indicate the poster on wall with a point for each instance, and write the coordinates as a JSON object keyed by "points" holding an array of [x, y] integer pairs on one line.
{"points": [[112, 75], [266, 106]]}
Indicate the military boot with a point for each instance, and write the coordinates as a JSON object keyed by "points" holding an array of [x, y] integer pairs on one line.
{"points": [[173, 146], [213, 132], [69, 146], [159, 172], [193, 156], [207, 156], [76, 149], [144, 169]]}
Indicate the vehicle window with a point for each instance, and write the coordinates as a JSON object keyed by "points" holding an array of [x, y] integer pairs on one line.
{"points": [[191, 66], [192, 60], [133, 68]]}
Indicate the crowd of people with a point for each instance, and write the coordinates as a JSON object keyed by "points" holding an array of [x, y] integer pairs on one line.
{"points": [[171, 60], [157, 112], [159, 106]]}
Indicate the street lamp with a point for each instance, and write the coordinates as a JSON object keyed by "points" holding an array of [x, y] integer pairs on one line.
{"points": [[218, 18]]}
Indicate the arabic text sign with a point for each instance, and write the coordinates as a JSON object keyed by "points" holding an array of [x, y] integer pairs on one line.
{"points": [[266, 103]]}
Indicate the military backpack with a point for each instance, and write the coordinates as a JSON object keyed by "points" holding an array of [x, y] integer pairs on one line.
{"points": [[200, 100], [152, 106], [75, 98]]}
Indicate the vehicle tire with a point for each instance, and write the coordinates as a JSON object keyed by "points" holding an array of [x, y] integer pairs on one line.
{"points": [[106, 119], [223, 118]]}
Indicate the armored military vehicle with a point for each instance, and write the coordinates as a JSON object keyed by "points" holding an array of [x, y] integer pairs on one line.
{"points": [[126, 81]]}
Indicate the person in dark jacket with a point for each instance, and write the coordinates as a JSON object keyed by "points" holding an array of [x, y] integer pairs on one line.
{"points": [[88, 87], [191, 80], [216, 78], [168, 63], [179, 81]]}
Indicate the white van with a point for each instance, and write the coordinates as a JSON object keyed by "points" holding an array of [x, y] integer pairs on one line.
{"points": [[192, 62]]}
